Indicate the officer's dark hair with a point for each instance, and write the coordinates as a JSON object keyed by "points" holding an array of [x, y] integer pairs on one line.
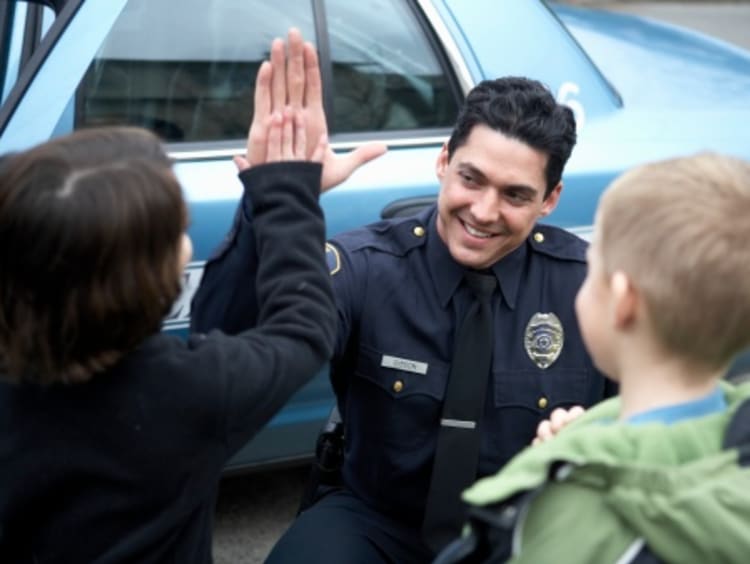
{"points": [[91, 226], [522, 109]]}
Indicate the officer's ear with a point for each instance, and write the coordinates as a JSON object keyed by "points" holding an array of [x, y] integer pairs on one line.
{"points": [[441, 166], [550, 201]]}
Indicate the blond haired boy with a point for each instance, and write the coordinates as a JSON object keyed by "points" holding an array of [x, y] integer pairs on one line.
{"points": [[661, 473]]}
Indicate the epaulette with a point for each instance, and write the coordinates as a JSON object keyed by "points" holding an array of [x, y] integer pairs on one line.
{"points": [[557, 243], [394, 236]]}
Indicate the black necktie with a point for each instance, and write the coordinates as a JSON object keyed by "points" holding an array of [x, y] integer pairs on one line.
{"points": [[457, 454]]}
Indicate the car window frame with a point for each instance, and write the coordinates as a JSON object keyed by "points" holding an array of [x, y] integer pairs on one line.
{"points": [[435, 32], [37, 56], [442, 45]]}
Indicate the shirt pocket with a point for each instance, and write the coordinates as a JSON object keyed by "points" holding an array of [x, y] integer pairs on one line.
{"points": [[405, 406], [540, 391]]}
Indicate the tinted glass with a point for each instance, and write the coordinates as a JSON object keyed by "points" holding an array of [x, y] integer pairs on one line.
{"points": [[185, 68], [386, 75]]}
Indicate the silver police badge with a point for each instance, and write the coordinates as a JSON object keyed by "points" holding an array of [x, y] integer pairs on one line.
{"points": [[544, 339]]}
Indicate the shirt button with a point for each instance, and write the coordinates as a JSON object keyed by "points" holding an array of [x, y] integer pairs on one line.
{"points": [[418, 231], [539, 237], [542, 403], [398, 385]]}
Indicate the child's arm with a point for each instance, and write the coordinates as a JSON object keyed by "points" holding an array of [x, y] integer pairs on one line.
{"points": [[255, 372]]}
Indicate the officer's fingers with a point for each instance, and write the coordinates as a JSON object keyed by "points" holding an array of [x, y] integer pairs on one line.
{"points": [[257, 140], [295, 69], [313, 95], [300, 136], [544, 431], [366, 153], [241, 163], [278, 80], [262, 101], [273, 153], [337, 168], [255, 150], [575, 412], [287, 135], [558, 419], [320, 150]]}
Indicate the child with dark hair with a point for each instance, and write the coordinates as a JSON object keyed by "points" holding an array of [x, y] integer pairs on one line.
{"points": [[113, 435]]}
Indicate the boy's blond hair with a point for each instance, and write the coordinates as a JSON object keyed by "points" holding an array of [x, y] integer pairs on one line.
{"points": [[680, 230]]}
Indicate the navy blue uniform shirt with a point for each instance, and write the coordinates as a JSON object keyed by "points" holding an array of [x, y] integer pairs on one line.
{"points": [[400, 297]]}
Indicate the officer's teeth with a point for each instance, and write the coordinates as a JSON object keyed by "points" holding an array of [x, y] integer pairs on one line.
{"points": [[476, 233]]}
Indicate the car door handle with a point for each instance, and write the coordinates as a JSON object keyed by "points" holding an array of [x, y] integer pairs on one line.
{"points": [[405, 207]]}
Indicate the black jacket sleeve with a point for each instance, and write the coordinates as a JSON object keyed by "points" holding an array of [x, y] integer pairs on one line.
{"points": [[273, 273]]}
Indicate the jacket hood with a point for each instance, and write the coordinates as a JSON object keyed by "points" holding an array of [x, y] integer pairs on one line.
{"points": [[672, 485]]}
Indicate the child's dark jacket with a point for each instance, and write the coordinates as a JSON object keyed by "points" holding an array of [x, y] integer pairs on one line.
{"points": [[125, 467]]}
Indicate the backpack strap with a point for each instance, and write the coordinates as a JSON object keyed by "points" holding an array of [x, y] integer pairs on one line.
{"points": [[493, 528], [737, 435], [490, 537]]}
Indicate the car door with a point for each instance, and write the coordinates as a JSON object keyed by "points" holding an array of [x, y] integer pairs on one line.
{"points": [[185, 69]]}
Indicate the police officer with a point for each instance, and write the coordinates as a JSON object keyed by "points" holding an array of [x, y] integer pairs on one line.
{"points": [[401, 293]]}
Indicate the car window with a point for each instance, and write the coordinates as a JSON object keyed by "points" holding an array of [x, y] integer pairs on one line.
{"points": [[386, 74], [22, 27], [185, 68]]}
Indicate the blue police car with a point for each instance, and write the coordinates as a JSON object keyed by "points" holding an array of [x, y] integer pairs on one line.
{"points": [[393, 70]]}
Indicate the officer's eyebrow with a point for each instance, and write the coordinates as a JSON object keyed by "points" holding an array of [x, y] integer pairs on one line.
{"points": [[480, 178]]}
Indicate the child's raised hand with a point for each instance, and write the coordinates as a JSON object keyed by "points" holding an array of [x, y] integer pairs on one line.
{"points": [[292, 78], [282, 137]]}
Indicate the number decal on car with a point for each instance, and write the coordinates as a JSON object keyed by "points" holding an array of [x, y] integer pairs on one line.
{"points": [[564, 96]]}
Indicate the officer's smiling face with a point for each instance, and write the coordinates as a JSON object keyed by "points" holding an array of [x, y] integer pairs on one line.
{"points": [[491, 195]]}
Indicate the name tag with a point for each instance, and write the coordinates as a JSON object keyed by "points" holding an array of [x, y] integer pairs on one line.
{"points": [[404, 364]]}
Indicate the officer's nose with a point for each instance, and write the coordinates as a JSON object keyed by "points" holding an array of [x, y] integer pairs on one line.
{"points": [[486, 207]]}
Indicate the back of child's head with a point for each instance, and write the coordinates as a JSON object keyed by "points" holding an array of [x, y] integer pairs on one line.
{"points": [[90, 228], [679, 230]]}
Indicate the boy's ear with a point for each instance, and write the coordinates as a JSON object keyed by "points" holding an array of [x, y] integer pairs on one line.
{"points": [[625, 299]]}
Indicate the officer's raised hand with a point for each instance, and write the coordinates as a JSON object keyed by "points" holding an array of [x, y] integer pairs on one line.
{"points": [[294, 79], [286, 138], [279, 135]]}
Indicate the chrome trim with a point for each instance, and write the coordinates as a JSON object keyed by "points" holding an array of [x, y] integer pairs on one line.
{"points": [[450, 46], [228, 153]]}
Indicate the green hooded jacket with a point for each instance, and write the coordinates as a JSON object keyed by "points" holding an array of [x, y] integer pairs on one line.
{"points": [[602, 489]]}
